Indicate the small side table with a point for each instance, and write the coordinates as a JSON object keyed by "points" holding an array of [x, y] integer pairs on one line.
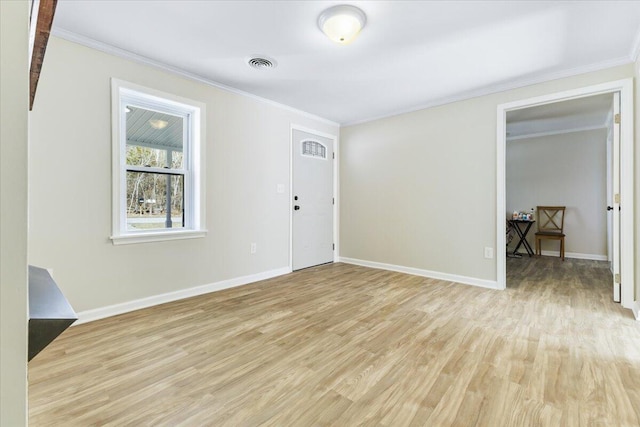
{"points": [[522, 227]]}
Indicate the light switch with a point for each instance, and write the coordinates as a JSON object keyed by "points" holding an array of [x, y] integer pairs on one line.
{"points": [[280, 188]]}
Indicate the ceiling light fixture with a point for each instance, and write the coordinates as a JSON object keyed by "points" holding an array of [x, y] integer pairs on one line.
{"points": [[342, 23], [158, 124]]}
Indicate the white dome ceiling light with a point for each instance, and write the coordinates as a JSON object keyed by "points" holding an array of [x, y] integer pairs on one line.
{"points": [[342, 23]]}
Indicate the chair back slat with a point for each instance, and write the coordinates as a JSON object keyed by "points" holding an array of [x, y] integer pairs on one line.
{"points": [[551, 219]]}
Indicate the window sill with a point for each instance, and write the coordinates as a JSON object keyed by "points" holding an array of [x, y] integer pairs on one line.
{"points": [[161, 236]]}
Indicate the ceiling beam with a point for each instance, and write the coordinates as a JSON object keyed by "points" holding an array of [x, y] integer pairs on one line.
{"points": [[44, 17]]}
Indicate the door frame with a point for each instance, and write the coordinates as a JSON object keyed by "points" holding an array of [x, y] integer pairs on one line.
{"points": [[336, 188], [627, 220]]}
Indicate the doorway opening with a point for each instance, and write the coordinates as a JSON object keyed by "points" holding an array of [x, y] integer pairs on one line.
{"points": [[622, 203]]}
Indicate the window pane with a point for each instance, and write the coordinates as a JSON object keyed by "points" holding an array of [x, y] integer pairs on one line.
{"points": [[177, 159], [314, 149], [154, 139], [154, 201]]}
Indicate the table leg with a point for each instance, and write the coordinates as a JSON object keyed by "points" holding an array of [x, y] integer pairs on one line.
{"points": [[522, 234]]}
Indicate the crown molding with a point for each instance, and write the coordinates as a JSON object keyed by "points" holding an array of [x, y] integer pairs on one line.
{"points": [[487, 90], [125, 54], [502, 87], [556, 132], [635, 48]]}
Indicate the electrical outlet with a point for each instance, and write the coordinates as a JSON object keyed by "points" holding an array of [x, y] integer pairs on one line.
{"points": [[254, 248], [488, 253]]}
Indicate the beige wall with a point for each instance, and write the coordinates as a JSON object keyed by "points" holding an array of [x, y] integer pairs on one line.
{"points": [[14, 95], [247, 156], [563, 170], [419, 189]]}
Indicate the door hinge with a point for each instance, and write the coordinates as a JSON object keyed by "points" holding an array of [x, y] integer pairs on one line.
{"points": [[616, 278], [616, 119], [616, 198], [334, 155], [333, 200], [333, 246]]}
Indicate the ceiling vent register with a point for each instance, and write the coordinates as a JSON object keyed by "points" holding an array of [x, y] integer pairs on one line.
{"points": [[261, 63]]}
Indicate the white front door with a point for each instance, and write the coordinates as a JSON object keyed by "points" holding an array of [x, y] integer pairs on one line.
{"points": [[312, 240], [615, 203]]}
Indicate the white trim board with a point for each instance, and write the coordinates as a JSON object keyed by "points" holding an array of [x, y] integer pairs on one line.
{"points": [[625, 87], [336, 188], [576, 255], [474, 93], [636, 310], [122, 53], [125, 307], [491, 89], [489, 284], [635, 48], [555, 132]]}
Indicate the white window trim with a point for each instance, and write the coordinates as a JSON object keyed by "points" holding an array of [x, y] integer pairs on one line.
{"points": [[194, 197]]}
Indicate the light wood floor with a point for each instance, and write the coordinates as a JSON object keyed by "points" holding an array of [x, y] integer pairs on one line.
{"points": [[345, 345]]}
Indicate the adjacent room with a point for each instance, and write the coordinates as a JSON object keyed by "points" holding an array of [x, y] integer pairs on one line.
{"points": [[292, 213], [560, 156]]}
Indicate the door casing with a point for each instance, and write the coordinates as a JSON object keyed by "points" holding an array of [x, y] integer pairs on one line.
{"points": [[615, 187], [336, 189], [627, 254]]}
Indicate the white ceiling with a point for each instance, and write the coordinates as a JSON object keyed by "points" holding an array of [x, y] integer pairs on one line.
{"points": [[574, 115], [410, 55]]}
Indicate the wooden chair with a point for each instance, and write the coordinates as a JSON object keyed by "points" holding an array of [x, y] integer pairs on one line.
{"points": [[550, 227]]}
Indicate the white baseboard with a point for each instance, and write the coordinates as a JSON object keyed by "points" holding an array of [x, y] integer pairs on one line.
{"points": [[576, 255], [491, 284], [125, 307], [636, 310]]}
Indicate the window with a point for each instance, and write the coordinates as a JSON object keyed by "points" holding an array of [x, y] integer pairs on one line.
{"points": [[314, 149], [157, 170]]}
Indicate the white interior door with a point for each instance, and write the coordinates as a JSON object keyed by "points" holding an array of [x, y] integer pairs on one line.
{"points": [[609, 196], [312, 228], [615, 203]]}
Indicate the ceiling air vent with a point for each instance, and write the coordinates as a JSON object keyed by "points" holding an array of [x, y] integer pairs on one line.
{"points": [[261, 63]]}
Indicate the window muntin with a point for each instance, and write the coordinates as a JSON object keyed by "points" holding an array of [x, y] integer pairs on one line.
{"points": [[157, 170], [314, 149]]}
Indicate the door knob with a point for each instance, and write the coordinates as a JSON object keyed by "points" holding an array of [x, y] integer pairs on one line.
{"points": [[296, 207], [609, 208]]}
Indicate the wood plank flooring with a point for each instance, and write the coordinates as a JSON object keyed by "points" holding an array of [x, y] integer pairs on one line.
{"points": [[342, 345]]}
